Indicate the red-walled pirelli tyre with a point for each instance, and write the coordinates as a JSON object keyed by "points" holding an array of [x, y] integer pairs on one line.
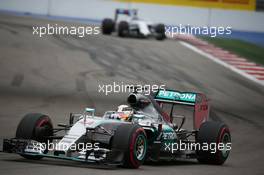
{"points": [[34, 126], [132, 140], [217, 136]]}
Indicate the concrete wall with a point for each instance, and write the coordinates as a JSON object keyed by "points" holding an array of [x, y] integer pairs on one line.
{"points": [[240, 20], [173, 15], [32, 6]]}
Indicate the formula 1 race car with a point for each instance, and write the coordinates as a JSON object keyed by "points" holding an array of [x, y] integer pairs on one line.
{"points": [[140, 131], [132, 26]]}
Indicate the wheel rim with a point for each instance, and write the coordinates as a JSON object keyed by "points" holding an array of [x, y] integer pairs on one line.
{"points": [[140, 147], [225, 140]]}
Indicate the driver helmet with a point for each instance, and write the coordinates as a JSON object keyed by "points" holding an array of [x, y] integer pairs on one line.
{"points": [[124, 111]]}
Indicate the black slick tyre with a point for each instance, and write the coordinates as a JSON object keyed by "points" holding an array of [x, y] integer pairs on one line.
{"points": [[34, 126], [217, 136], [132, 140]]}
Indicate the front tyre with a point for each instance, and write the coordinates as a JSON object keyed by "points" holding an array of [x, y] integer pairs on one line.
{"points": [[34, 126], [217, 136], [132, 140]]}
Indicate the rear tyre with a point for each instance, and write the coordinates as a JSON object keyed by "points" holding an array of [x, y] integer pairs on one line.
{"points": [[108, 26], [34, 126], [213, 133], [132, 140], [123, 29], [160, 32]]}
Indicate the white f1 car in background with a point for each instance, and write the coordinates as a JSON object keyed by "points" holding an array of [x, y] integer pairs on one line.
{"points": [[132, 26]]}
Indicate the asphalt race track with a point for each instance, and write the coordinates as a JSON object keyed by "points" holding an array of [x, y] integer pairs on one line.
{"points": [[60, 74]]}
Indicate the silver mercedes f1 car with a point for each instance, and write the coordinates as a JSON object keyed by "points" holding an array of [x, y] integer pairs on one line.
{"points": [[142, 130]]}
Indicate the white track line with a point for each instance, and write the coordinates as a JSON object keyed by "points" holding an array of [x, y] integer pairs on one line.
{"points": [[219, 61]]}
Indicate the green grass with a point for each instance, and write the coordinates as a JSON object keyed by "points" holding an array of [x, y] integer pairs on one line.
{"points": [[244, 49]]}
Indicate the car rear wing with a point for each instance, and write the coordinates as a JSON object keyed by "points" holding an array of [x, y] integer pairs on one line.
{"points": [[171, 96], [197, 100], [128, 12]]}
